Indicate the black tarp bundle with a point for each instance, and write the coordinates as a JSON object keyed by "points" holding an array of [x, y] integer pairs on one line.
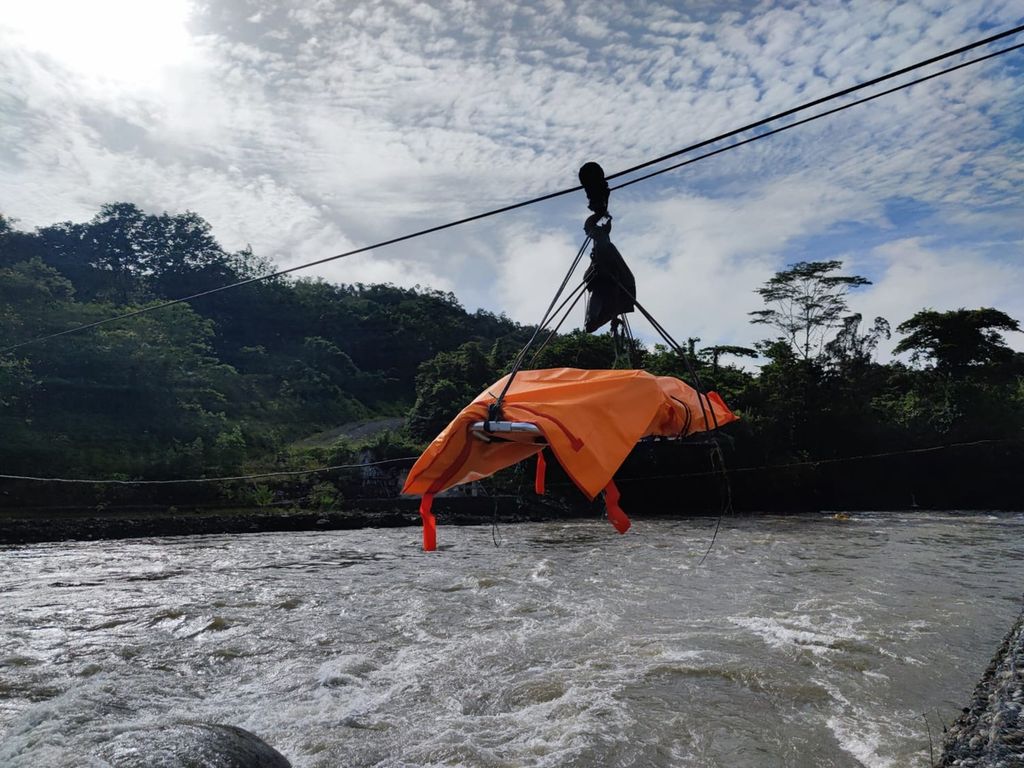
{"points": [[610, 282]]}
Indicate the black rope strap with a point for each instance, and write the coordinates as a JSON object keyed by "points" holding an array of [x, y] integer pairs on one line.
{"points": [[494, 412]]}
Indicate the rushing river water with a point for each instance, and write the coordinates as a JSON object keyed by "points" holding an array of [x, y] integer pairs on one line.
{"points": [[800, 641]]}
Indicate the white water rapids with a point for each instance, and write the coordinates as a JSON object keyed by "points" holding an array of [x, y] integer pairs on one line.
{"points": [[800, 641]]}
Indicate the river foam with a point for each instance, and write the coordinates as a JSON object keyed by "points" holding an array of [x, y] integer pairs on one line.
{"points": [[799, 641]]}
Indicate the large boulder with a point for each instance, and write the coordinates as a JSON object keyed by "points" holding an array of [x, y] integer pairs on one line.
{"points": [[191, 745]]}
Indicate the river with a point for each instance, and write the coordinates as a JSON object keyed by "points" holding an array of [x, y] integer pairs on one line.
{"points": [[800, 641]]}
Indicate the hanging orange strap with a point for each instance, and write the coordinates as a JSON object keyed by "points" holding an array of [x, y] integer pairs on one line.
{"points": [[429, 523], [538, 480], [615, 514]]}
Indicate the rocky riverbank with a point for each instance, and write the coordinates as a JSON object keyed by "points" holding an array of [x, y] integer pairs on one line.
{"points": [[27, 526], [990, 731]]}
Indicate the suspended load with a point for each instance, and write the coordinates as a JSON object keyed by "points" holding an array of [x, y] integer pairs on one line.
{"points": [[589, 419]]}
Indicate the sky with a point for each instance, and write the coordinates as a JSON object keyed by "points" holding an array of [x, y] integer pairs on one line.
{"points": [[306, 129]]}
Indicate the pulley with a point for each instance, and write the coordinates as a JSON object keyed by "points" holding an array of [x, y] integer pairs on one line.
{"points": [[596, 186]]}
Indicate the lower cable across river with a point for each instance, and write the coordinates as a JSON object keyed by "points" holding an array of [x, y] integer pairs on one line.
{"points": [[803, 640]]}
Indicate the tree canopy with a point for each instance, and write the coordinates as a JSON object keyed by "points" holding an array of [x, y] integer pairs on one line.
{"points": [[958, 339], [238, 379], [806, 302]]}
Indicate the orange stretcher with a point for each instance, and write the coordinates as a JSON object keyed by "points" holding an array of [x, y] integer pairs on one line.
{"points": [[589, 419]]}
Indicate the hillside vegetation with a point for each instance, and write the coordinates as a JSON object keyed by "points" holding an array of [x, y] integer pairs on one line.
{"points": [[238, 381]]}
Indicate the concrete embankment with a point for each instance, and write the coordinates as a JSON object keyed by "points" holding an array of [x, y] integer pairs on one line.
{"points": [[990, 731]]}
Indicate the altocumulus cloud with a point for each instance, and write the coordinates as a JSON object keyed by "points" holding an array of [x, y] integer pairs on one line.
{"points": [[305, 129]]}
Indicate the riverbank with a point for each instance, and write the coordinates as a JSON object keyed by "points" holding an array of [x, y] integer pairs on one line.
{"points": [[28, 526], [32, 526], [990, 731]]}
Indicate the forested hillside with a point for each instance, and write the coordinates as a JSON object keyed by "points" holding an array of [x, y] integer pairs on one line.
{"points": [[205, 387], [229, 382]]}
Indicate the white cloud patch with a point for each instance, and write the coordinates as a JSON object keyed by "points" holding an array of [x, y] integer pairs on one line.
{"points": [[307, 130], [917, 275], [531, 266], [115, 42], [698, 260]]}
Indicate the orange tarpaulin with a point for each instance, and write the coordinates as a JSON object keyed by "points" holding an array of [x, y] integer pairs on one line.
{"points": [[590, 419]]}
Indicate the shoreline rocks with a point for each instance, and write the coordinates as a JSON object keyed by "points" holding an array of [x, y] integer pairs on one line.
{"points": [[990, 730]]}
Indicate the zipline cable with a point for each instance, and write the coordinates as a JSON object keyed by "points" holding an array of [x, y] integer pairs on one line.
{"points": [[812, 118], [823, 99], [551, 195]]}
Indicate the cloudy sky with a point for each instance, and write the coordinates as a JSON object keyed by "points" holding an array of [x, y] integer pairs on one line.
{"points": [[308, 128]]}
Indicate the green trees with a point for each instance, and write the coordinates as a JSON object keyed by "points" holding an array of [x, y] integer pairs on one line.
{"points": [[576, 350], [806, 302], [126, 255], [444, 384], [232, 381], [148, 399], [206, 387], [852, 350], [714, 354], [958, 340], [970, 382], [32, 298], [821, 393], [812, 389]]}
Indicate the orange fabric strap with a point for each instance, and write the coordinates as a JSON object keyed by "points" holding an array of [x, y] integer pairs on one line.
{"points": [[616, 516], [538, 480], [429, 523]]}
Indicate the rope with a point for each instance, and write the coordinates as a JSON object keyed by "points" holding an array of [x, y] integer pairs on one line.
{"points": [[548, 313], [285, 473], [631, 340], [570, 190], [701, 397], [716, 449], [578, 293], [517, 364], [495, 534], [726, 489]]}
